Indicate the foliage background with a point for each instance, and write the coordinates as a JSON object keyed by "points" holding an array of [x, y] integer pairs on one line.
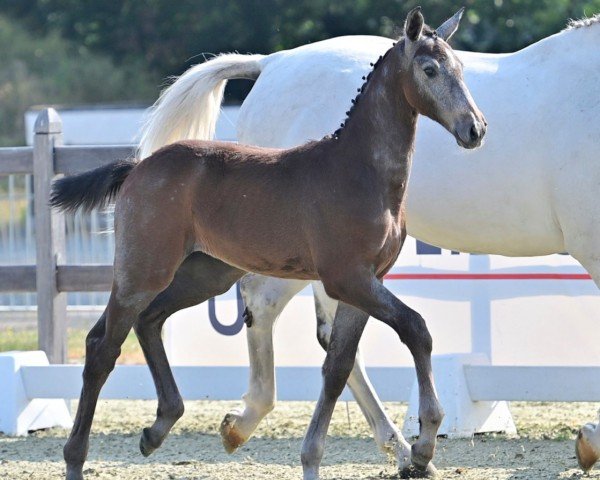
{"points": [[89, 51]]}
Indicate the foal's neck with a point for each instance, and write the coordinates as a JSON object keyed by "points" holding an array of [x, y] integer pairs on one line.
{"points": [[380, 129]]}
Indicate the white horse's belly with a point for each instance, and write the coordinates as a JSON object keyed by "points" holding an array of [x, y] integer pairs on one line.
{"points": [[495, 199], [485, 201]]}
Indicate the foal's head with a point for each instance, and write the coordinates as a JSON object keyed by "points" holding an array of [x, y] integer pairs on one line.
{"points": [[433, 81]]}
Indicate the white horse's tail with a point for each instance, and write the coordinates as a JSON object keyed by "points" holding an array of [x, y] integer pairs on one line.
{"points": [[189, 108]]}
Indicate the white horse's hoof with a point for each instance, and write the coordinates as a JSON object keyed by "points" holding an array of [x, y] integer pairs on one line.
{"points": [[587, 447], [230, 436]]}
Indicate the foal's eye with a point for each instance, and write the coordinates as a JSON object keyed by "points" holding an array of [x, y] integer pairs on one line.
{"points": [[429, 71]]}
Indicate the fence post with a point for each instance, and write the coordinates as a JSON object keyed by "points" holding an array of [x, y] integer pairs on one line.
{"points": [[50, 240]]}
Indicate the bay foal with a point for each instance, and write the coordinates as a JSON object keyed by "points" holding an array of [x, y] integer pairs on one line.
{"points": [[329, 210]]}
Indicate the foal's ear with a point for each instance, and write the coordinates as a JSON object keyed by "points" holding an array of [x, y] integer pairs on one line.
{"points": [[414, 24], [447, 29]]}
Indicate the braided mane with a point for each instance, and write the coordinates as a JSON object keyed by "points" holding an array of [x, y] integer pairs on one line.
{"points": [[360, 90], [427, 31]]}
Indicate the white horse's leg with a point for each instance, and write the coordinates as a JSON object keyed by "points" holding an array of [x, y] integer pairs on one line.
{"points": [[265, 298], [584, 245], [587, 444], [388, 437]]}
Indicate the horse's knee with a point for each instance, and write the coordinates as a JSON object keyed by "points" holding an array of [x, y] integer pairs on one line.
{"points": [[412, 330]]}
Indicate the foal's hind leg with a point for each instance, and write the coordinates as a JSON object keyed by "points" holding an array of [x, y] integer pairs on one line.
{"points": [[199, 278], [103, 347], [143, 268], [265, 298], [388, 437]]}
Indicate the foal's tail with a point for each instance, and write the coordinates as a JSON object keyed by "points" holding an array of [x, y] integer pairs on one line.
{"points": [[189, 108], [90, 189]]}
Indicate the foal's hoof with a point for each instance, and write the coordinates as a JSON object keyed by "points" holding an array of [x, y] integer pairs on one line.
{"points": [[415, 472], [230, 436], [146, 445], [587, 449]]}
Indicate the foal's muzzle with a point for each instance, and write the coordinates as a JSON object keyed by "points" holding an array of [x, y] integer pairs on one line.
{"points": [[470, 132]]}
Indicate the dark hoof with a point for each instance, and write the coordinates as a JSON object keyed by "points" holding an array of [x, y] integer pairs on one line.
{"points": [[415, 472], [146, 446], [74, 473]]}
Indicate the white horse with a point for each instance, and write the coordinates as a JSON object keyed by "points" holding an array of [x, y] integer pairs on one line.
{"points": [[531, 190]]}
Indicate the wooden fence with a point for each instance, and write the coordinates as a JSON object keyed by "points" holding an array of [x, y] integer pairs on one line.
{"points": [[50, 277], [469, 386]]}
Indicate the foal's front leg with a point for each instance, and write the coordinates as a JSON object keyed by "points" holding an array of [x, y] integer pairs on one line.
{"points": [[347, 329], [387, 435], [377, 301], [198, 278]]}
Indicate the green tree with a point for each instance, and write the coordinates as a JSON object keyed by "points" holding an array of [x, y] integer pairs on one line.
{"points": [[131, 45], [48, 70], [167, 36]]}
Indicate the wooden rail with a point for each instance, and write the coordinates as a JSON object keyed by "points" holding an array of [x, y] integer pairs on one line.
{"points": [[16, 160], [50, 277]]}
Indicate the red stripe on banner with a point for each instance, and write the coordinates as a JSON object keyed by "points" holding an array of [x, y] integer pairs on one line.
{"points": [[487, 276]]}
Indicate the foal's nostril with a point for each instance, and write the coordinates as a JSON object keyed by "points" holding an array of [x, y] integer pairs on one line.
{"points": [[474, 133]]}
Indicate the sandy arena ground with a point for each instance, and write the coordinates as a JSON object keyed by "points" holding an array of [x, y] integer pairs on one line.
{"points": [[542, 450]]}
